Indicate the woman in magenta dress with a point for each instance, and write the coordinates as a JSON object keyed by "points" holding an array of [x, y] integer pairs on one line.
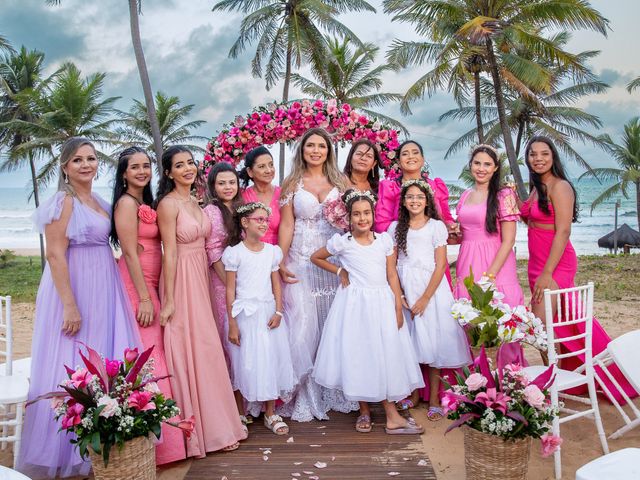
{"points": [[411, 161], [362, 166], [195, 359], [259, 169], [80, 300], [549, 212], [135, 230], [487, 215]]}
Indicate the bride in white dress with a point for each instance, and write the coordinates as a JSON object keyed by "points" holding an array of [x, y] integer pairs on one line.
{"points": [[308, 291]]}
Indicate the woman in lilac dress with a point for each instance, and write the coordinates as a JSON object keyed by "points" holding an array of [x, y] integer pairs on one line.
{"points": [[80, 299]]}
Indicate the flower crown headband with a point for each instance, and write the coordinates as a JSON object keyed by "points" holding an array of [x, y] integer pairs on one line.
{"points": [[419, 183], [251, 207], [357, 193], [475, 148]]}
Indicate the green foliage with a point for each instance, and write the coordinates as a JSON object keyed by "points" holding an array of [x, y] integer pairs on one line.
{"points": [[20, 279], [6, 257]]}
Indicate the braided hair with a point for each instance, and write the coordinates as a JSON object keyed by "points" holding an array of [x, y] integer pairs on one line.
{"points": [[403, 217]]}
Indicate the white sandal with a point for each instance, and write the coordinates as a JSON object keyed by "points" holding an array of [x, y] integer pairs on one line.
{"points": [[274, 423]]}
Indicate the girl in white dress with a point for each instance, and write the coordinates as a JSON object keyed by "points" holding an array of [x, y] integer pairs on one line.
{"points": [[421, 246], [366, 350], [260, 355]]}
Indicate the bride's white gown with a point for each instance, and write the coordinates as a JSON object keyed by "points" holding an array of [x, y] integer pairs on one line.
{"points": [[306, 305]]}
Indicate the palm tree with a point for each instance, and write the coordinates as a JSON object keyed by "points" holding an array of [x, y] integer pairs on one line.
{"points": [[502, 27], [5, 45], [287, 33], [627, 156], [171, 116], [633, 85], [69, 107], [20, 79], [548, 112], [135, 8], [347, 76]]}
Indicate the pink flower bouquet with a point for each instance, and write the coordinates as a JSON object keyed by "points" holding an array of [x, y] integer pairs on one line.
{"points": [[108, 402], [504, 403], [335, 212]]}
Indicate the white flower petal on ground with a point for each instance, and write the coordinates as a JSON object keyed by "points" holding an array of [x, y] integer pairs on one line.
{"points": [[290, 440], [320, 465], [423, 463]]}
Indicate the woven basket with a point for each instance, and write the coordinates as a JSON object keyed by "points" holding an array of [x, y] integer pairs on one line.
{"points": [[137, 459], [487, 457], [491, 352]]}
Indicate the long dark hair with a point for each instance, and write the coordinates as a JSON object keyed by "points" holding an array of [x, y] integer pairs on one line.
{"points": [[557, 170], [374, 174], [350, 199], [119, 188], [166, 184], [491, 219], [424, 173], [249, 160], [403, 216], [213, 199]]}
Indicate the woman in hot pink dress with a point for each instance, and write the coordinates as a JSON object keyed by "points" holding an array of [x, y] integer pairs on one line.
{"points": [[487, 215], [259, 169], [411, 160], [549, 212], [195, 359], [135, 230]]}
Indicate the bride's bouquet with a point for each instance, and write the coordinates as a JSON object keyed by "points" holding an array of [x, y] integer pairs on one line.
{"points": [[335, 212]]}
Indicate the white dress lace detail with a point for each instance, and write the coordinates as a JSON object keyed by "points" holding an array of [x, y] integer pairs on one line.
{"points": [[307, 304]]}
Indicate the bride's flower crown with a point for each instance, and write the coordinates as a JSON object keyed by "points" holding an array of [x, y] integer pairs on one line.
{"points": [[357, 193], [418, 182], [475, 148], [253, 206]]}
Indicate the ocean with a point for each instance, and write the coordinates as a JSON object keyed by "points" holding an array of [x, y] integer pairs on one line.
{"points": [[16, 230]]}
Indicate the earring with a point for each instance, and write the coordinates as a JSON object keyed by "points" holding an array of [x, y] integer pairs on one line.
{"points": [[66, 178], [124, 182]]}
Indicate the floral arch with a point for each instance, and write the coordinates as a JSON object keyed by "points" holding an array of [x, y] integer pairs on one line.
{"points": [[285, 123]]}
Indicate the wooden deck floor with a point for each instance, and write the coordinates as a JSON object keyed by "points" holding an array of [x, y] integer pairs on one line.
{"points": [[346, 453]]}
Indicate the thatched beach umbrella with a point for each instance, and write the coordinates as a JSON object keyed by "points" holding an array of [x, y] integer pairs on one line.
{"points": [[626, 237]]}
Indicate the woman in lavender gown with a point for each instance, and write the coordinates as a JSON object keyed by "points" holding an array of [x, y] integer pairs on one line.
{"points": [[80, 300]]}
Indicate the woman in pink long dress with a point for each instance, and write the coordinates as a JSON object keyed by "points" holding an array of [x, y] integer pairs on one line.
{"points": [[135, 230], [487, 215], [195, 359], [259, 169], [549, 212]]}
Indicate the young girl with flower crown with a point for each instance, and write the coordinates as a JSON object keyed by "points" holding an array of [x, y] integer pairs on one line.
{"points": [[260, 357], [421, 246], [365, 350]]}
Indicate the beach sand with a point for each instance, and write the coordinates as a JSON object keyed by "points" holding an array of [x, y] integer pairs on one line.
{"points": [[447, 452]]}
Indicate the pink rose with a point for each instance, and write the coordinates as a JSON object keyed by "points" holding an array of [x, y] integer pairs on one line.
{"points": [[534, 396], [147, 214], [130, 355], [550, 443], [187, 425], [110, 406], [475, 381], [112, 367], [81, 378], [141, 400]]}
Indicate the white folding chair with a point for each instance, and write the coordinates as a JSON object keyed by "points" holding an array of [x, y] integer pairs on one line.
{"points": [[574, 307], [621, 465], [13, 388], [624, 352]]}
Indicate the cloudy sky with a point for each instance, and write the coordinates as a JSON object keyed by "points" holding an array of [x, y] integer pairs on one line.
{"points": [[186, 47]]}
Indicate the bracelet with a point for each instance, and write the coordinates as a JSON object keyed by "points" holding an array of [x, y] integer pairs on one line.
{"points": [[279, 314], [338, 271], [143, 300]]}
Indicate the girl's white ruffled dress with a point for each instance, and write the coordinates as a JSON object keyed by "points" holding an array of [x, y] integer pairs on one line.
{"points": [[362, 352], [438, 339], [261, 365]]}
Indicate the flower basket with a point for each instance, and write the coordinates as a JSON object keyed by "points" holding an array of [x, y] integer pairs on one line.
{"points": [[487, 457], [136, 459]]}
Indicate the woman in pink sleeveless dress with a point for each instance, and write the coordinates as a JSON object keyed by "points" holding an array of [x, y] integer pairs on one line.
{"points": [[549, 212], [135, 230], [259, 169], [195, 359], [487, 215]]}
